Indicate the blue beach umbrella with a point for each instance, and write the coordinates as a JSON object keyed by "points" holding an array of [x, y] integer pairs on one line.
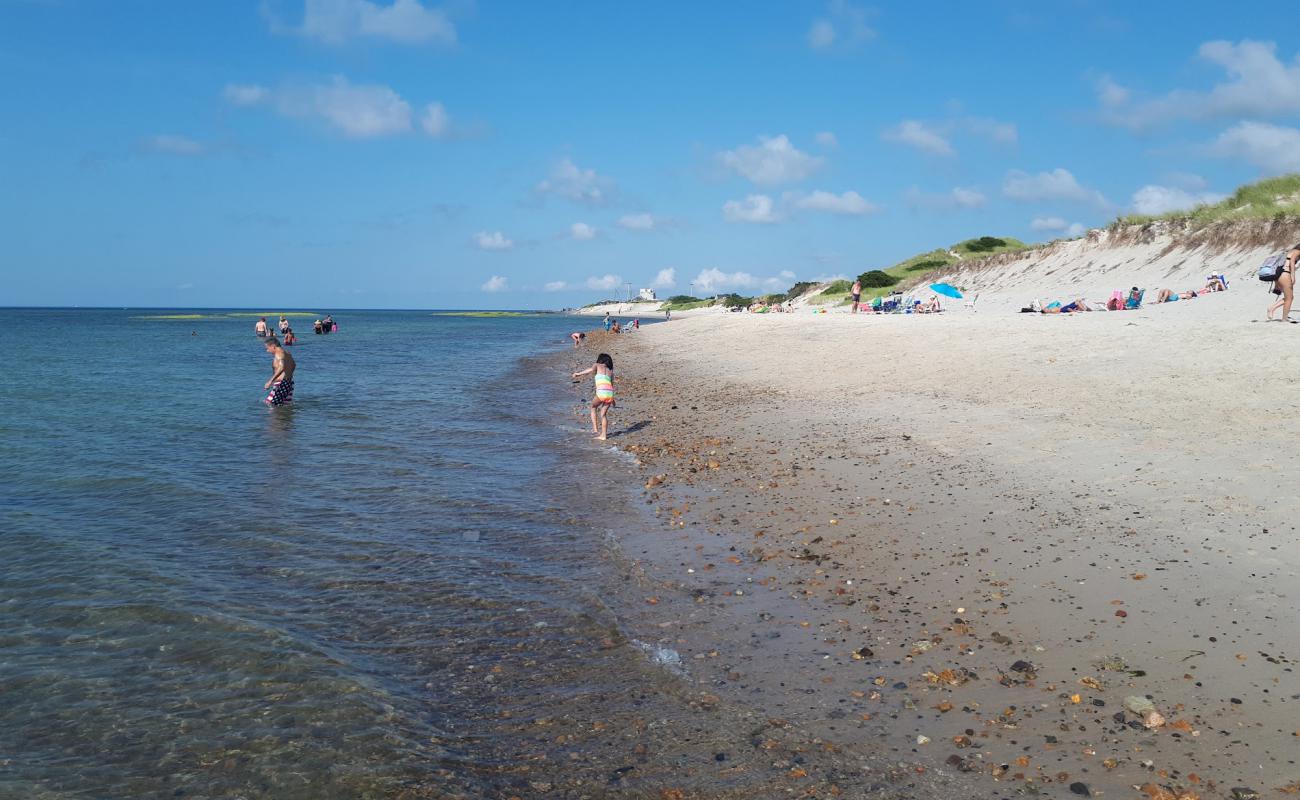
{"points": [[946, 289]]}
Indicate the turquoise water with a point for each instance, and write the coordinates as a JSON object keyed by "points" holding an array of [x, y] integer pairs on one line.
{"points": [[204, 597]]}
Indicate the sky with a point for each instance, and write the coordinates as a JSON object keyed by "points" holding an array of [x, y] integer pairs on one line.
{"points": [[327, 154]]}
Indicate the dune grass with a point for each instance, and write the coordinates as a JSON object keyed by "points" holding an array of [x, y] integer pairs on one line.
{"points": [[1272, 197]]}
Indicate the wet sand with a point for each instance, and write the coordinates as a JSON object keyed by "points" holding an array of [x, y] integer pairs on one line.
{"points": [[968, 545]]}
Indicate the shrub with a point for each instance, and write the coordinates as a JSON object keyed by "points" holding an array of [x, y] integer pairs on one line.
{"points": [[929, 263], [798, 289], [877, 279], [736, 301], [679, 299], [984, 244], [838, 287]]}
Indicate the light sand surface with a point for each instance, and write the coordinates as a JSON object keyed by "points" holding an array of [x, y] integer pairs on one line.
{"points": [[1106, 499]]}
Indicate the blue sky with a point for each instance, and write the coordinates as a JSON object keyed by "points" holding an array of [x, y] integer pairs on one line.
{"points": [[407, 154]]}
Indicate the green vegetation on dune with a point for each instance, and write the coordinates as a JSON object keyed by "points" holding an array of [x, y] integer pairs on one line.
{"points": [[684, 302], [1272, 197]]}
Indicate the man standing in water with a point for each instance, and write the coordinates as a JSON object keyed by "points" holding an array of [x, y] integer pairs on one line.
{"points": [[260, 327], [281, 382]]}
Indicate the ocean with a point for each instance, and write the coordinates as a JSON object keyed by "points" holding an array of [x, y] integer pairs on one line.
{"points": [[376, 592]]}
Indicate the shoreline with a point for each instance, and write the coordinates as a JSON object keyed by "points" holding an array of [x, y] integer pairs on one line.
{"points": [[937, 552]]}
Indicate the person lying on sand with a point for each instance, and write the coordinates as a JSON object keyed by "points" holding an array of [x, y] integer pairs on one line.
{"points": [[1170, 296], [1072, 307]]}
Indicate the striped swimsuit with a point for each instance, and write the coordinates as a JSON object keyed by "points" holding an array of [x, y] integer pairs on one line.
{"points": [[604, 388]]}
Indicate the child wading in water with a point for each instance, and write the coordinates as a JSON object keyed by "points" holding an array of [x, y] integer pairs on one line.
{"points": [[603, 371]]}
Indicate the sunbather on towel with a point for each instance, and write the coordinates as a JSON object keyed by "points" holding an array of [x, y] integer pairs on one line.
{"points": [[1071, 307], [1170, 296]]}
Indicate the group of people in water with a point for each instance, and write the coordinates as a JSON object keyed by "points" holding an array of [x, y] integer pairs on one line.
{"points": [[262, 329]]}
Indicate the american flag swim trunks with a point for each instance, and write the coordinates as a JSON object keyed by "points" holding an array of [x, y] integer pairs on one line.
{"points": [[281, 393]]}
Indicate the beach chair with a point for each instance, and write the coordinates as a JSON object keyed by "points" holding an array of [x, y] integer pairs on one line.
{"points": [[970, 302], [1130, 305]]}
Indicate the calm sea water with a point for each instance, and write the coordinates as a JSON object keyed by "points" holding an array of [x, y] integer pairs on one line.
{"points": [[203, 597]]}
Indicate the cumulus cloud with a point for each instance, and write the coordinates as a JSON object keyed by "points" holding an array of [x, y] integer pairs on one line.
{"points": [[1057, 225], [556, 286], [994, 130], [1154, 200], [848, 204], [572, 182], [637, 222], [358, 111], [1258, 85], [1059, 184], [914, 133], [496, 240], [604, 283], [582, 231], [958, 197], [494, 284], [402, 21], [665, 279], [172, 145], [1271, 148], [714, 281], [773, 160], [757, 208], [435, 121], [828, 140], [843, 23]]}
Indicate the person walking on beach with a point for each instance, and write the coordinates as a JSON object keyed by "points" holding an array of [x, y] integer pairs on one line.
{"points": [[280, 385], [1285, 286], [609, 321], [603, 375], [668, 315], [260, 327], [856, 292]]}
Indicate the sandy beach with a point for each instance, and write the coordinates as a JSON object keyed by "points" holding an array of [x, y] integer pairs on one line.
{"points": [[984, 543]]}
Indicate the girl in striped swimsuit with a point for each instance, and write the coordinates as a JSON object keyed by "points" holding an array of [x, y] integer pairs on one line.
{"points": [[603, 372]]}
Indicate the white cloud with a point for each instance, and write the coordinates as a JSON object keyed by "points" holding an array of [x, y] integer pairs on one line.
{"points": [[435, 122], [496, 240], [1154, 200], [1272, 148], [358, 111], [171, 145], [572, 182], [821, 35], [754, 208], [245, 95], [955, 198], [1059, 184], [828, 140], [665, 279], [582, 231], [914, 133], [604, 283], [404, 21], [1058, 225], [992, 129], [774, 160], [848, 203], [844, 22], [714, 280], [556, 286], [1048, 224], [637, 222], [494, 284], [1258, 85]]}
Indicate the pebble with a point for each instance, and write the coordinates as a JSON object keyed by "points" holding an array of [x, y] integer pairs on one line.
{"points": [[1243, 793], [1080, 788]]}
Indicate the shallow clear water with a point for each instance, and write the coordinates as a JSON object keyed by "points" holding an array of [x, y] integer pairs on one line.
{"points": [[204, 597]]}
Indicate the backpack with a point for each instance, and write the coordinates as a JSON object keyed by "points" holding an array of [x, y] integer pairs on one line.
{"points": [[1271, 269]]}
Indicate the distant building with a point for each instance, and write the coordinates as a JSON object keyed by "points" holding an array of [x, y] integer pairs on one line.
{"points": [[647, 294]]}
